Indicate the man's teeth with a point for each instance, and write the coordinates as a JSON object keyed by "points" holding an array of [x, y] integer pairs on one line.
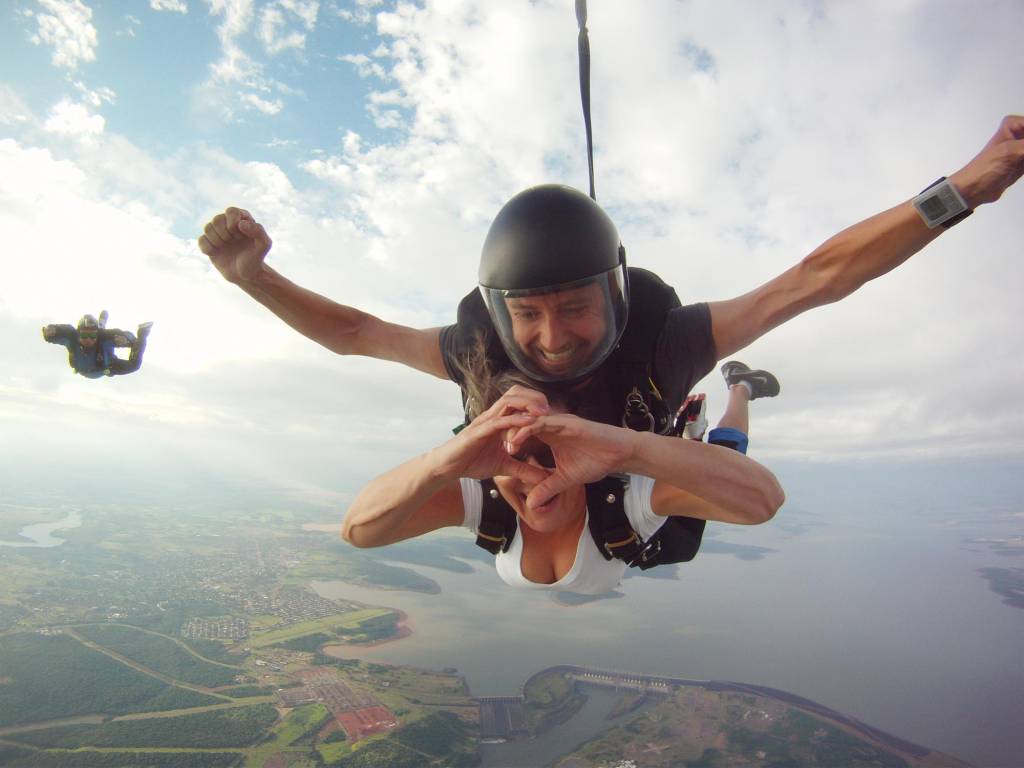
{"points": [[557, 357]]}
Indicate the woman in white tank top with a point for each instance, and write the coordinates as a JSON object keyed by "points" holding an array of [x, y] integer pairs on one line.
{"points": [[541, 458]]}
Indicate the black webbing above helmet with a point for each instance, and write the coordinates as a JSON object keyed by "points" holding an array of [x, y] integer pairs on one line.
{"points": [[584, 53]]}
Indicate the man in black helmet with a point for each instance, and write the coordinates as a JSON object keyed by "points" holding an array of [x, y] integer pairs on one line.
{"points": [[553, 278], [557, 301], [546, 321]]}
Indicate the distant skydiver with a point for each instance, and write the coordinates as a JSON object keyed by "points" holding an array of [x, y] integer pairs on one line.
{"points": [[91, 346], [583, 524], [555, 294]]}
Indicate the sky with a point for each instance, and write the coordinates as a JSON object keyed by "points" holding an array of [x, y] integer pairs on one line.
{"points": [[376, 140]]}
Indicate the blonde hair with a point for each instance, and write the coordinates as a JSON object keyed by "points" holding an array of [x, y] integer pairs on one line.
{"points": [[483, 386]]}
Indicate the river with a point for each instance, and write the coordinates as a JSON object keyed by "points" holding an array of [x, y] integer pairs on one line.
{"points": [[591, 720]]}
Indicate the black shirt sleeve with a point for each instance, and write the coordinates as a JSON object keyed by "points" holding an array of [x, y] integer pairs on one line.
{"points": [[685, 353], [450, 350]]}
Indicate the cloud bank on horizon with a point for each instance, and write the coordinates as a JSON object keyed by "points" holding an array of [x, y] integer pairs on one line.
{"points": [[376, 140]]}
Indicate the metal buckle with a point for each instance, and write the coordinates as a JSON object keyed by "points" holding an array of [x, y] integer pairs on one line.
{"points": [[608, 546], [500, 541], [647, 556]]}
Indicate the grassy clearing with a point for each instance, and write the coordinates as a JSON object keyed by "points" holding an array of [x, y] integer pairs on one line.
{"points": [[294, 726], [298, 723], [327, 625], [331, 753], [262, 621]]}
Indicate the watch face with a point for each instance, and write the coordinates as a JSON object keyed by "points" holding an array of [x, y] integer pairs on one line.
{"points": [[939, 204], [933, 208]]}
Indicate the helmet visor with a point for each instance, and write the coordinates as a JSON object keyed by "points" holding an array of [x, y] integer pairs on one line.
{"points": [[560, 332]]}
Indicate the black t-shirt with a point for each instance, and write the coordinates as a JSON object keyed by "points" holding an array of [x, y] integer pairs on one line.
{"points": [[684, 354]]}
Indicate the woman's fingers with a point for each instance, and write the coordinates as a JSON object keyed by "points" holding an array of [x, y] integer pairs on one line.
{"points": [[545, 428], [545, 490], [528, 473], [521, 399]]}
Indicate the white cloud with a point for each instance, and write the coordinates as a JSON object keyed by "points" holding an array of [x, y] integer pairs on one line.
{"points": [[129, 31], [261, 105], [274, 19], [365, 66], [66, 26], [234, 65], [361, 13], [70, 119], [176, 6], [95, 97], [237, 80]]}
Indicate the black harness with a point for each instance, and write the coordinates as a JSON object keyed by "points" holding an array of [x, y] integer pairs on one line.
{"points": [[677, 541]]}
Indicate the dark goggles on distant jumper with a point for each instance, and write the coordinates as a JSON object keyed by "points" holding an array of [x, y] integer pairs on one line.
{"points": [[88, 334]]}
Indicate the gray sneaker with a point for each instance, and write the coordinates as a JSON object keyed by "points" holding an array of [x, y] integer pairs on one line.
{"points": [[762, 383]]}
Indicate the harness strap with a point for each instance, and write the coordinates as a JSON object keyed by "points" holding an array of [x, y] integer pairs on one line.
{"points": [[614, 536], [609, 526], [584, 54], [497, 520]]}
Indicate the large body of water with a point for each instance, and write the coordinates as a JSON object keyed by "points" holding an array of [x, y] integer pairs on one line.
{"points": [[876, 611]]}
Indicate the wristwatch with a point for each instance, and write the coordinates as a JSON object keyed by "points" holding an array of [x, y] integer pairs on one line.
{"points": [[940, 204]]}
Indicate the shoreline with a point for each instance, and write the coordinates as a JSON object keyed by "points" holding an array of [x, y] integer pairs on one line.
{"points": [[404, 629]]}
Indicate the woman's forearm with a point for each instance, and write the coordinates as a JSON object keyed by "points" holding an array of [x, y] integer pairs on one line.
{"points": [[406, 501], [736, 489]]}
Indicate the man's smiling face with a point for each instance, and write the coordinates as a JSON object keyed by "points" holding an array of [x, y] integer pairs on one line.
{"points": [[559, 331]]}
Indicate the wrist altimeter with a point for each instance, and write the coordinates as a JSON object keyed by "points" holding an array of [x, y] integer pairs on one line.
{"points": [[941, 205]]}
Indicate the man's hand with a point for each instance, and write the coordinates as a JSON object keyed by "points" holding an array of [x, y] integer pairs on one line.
{"points": [[48, 331], [997, 167], [236, 244]]}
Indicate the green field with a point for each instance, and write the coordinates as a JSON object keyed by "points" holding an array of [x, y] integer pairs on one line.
{"points": [[439, 740], [160, 654], [331, 625], [342, 562], [56, 676], [95, 758], [238, 727]]}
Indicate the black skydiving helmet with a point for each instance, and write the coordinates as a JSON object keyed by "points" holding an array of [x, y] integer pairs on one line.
{"points": [[553, 277]]}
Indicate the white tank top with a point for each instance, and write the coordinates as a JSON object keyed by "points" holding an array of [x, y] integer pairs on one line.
{"points": [[590, 574]]}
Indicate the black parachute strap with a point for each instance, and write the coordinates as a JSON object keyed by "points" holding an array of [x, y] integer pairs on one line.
{"points": [[606, 509], [584, 48], [611, 530], [498, 522], [634, 382]]}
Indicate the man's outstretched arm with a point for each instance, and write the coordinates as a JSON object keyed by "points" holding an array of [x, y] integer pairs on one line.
{"points": [[237, 245], [62, 333], [867, 250]]}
